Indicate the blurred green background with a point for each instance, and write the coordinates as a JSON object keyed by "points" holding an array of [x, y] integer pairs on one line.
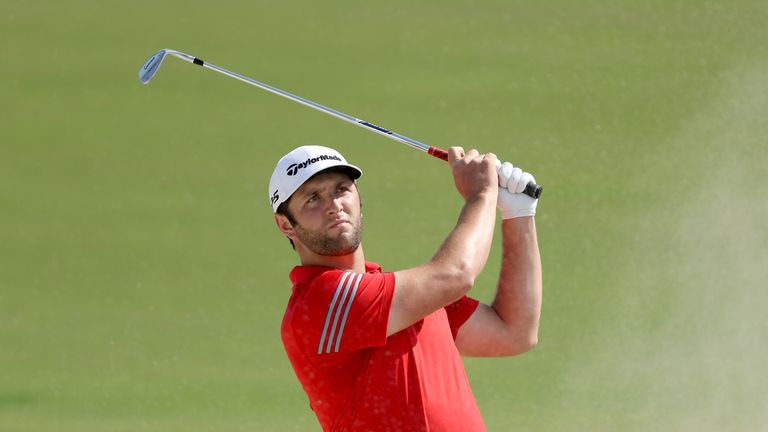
{"points": [[142, 281]]}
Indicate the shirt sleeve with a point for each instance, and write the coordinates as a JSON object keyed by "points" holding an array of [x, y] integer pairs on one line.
{"points": [[459, 312], [343, 312]]}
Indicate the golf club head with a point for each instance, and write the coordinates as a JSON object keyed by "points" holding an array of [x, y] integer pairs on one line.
{"points": [[150, 67]]}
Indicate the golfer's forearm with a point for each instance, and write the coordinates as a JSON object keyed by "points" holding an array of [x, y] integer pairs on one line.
{"points": [[518, 297], [466, 249], [450, 274]]}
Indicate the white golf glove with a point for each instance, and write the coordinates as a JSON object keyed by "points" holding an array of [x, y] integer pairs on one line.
{"points": [[511, 201]]}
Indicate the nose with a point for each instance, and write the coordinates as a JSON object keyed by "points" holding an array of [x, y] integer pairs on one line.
{"points": [[334, 206]]}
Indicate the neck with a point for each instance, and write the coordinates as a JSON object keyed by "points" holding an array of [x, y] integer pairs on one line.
{"points": [[354, 261]]}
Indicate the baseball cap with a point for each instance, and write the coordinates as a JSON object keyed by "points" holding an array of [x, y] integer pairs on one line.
{"points": [[298, 166]]}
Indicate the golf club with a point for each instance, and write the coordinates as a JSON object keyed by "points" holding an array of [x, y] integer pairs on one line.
{"points": [[150, 67]]}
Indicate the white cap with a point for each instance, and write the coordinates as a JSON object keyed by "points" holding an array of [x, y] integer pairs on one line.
{"points": [[300, 165]]}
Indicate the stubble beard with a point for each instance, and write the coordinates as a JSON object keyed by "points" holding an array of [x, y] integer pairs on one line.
{"points": [[323, 244]]}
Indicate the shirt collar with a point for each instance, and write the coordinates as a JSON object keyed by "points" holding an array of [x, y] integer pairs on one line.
{"points": [[301, 275]]}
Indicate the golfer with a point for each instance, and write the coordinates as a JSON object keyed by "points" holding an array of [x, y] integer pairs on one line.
{"points": [[381, 351]]}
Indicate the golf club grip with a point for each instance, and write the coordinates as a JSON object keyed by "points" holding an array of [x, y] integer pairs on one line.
{"points": [[531, 189]]}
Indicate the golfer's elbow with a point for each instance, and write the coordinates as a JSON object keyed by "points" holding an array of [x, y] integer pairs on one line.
{"points": [[522, 342], [457, 277], [530, 335], [520, 347], [461, 280], [467, 271], [529, 343]]}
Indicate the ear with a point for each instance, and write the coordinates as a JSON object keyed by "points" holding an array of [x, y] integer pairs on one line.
{"points": [[284, 225]]}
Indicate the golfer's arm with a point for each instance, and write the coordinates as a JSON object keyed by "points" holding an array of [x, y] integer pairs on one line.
{"points": [[451, 272], [510, 325]]}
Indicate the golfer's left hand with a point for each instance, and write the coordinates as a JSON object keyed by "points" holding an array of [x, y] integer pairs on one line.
{"points": [[511, 202]]}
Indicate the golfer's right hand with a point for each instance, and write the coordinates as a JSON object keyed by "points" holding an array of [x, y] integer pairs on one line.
{"points": [[473, 173]]}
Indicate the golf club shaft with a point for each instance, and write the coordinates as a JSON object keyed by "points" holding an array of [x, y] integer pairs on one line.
{"points": [[330, 111], [531, 189]]}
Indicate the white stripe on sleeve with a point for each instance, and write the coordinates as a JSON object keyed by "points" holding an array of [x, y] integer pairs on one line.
{"points": [[338, 312], [346, 311], [330, 310]]}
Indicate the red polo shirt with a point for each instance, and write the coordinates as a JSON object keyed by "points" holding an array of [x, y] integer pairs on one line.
{"points": [[358, 379]]}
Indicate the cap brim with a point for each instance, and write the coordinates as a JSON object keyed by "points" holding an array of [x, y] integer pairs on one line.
{"points": [[350, 170]]}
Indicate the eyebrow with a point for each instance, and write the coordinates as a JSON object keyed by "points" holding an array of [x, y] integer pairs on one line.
{"points": [[315, 189]]}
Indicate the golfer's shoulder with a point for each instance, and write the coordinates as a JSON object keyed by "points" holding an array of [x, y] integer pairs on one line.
{"points": [[314, 291], [324, 282], [320, 283], [310, 275]]}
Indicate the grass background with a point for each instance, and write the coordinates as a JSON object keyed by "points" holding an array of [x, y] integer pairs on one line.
{"points": [[142, 281]]}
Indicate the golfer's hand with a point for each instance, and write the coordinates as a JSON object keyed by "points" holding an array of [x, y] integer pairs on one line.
{"points": [[473, 173], [511, 201]]}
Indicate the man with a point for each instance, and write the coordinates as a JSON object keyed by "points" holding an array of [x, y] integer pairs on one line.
{"points": [[378, 351]]}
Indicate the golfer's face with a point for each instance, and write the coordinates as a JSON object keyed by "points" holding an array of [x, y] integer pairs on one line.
{"points": [[327, 213]]}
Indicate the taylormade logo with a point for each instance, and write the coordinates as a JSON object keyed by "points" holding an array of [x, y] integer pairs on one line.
{"points": [[293, 169]]}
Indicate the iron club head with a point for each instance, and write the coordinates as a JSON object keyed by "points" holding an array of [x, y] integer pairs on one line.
{"points": [[150, 67]]}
